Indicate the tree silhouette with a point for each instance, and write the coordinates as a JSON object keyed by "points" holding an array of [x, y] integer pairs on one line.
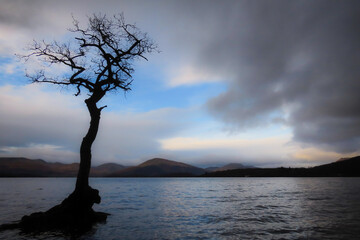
{"points": [[99, 60]]}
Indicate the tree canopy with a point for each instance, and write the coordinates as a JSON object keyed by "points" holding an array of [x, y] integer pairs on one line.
{"points": [[99, 59]]}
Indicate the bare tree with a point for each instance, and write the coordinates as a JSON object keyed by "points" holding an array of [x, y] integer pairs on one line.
{"points": [[99, 59]]}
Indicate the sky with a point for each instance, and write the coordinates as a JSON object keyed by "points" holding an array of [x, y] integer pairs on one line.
{"points": [[263, 83]]}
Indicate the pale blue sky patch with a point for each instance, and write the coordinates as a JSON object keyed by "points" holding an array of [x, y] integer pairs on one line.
{"points": [[11, 71]]}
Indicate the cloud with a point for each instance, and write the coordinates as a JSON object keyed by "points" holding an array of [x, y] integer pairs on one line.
{"points": [[39, 123], [187, 143], [22, 21], [133, 136], [189, 76], [31, 115], [260, 151], [318, 155], [9, 68], [294, 62]]}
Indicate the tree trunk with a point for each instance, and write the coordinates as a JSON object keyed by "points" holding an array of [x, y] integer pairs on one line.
{"points": [[82, 181], [75, 212]]}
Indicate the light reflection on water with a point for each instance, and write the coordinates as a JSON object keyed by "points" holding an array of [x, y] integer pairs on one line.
{"points": [[200, 208]]}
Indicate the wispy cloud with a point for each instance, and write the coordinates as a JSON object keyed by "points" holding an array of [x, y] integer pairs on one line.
{"points": [[51, 123], [190, 76]]}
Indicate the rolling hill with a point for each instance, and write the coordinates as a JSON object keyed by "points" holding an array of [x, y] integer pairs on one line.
{"points": [[159, 167], [105, 169], [23, 167], [230, 166]]}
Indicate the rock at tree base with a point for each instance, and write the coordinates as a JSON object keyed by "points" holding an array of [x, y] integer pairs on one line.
{"points": [[73, 215]]}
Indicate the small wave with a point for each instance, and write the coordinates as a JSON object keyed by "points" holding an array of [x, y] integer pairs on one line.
{"points": [[127, 208], [318, 198], [261, 207], [216, 220], [212, 190], [283, 231]]}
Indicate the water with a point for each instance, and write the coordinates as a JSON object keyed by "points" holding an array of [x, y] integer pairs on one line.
{"points": [[199, 208]]}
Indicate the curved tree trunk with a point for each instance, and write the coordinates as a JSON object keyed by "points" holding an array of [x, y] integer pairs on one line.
{"points": [[83, 197], [82, 181]]}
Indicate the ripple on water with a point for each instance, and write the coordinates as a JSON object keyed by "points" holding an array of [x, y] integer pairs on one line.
{"points": [[319, 198]]}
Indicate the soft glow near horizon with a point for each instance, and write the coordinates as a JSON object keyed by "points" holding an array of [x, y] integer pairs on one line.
{"points": [[183, 143]]}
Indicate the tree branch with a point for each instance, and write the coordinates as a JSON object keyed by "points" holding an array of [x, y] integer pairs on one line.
{"points": [[99, 60]]}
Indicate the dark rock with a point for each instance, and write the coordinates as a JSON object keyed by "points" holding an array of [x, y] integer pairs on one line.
{"points": [[74, 215]]}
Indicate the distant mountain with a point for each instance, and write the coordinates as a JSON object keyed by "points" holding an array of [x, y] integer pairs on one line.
{"points": [[159, 167], [105, 169], [230, 166], [345, 168], [211, 169], [23, 167]]}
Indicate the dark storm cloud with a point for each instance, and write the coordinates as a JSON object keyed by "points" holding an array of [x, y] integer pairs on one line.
{"points": [[19, 13], [295, 61]]}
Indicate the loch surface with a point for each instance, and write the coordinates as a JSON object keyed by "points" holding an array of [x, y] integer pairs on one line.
{"points": [[198, 208]]}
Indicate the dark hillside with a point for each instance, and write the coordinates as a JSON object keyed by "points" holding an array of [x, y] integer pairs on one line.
{"points": [[345, 168], [159, 167]]}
